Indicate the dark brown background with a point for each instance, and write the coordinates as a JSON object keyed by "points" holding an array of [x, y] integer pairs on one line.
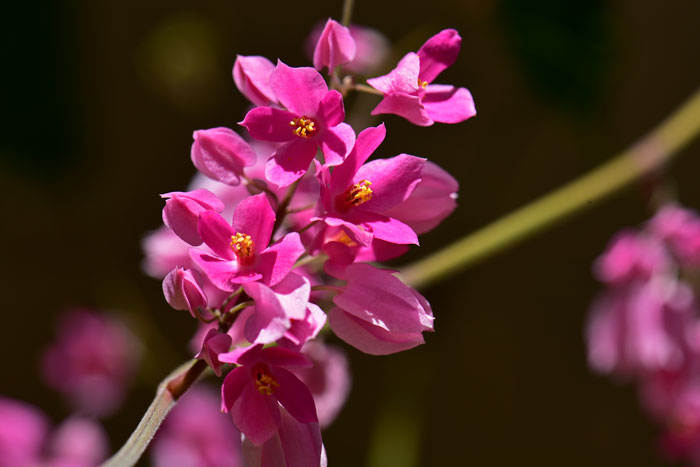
{"points": [[99, 102]]}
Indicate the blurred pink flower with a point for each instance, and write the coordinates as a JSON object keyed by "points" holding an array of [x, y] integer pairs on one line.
{"points": [[631, 256], [26, 439], [328, 379], [91, 361], [197, 434], [680, 228]]}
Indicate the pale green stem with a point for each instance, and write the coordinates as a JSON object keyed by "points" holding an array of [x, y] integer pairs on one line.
{"points": [[347, 12], [649, 154]]}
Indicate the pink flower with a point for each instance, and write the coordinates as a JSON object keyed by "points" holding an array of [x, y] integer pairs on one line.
{"points": [[164, 251], [26, 439], [372, 47], [23, 429], [197, 434], [313, 119], [302, 330], [182, 209], [214, 344], [409, 94], [335, 46], [356, 196], [641, 328], [294, 444], [220, 154], [328, 379], [252, 77], [377, 313], [430, 203], [680, 228], [252, 392], [92, 361], [241, 249], [631, 256], [183, 290]]}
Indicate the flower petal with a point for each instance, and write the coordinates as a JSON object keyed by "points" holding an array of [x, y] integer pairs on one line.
{"points": [[295, 396], [383, 227], [447, 104], [335, 46], [331, 109], [216, 233], [256, 415], [290, 162], [406, 106], [367, 142], [368, 338], [438, 53], [252, 77], [254, 216], [233, 386], [336, 143], [269, 124], [402, 79], [275, 263], [393, 180], [300, 90], [222, 273]]}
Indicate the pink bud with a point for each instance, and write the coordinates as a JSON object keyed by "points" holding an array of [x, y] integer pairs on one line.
{"points": [[221, 154], [183, 290], [252, 77], [335, 46], [182, 210], [214, 343]]}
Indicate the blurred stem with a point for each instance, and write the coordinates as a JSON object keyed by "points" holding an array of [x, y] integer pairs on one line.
{"points": [[169, 391], [646, 156], [347, 12]]}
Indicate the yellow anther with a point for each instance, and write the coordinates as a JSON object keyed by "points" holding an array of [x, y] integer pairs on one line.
{"points": [[243, 246], [304, 126], [264, 382], [423, 84], [357, 194]]}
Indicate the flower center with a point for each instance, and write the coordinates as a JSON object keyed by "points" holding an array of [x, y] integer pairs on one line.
{"points": [[303, 127], [264, 382], [423, 84], [357, 194], [243, 245]]}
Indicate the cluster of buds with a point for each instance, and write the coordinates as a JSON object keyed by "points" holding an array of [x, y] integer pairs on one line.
{"points": [[644, 326], [274, 240]]}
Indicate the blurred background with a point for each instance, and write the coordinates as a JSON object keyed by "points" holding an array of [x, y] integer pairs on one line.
{"points": [[99, 102]]}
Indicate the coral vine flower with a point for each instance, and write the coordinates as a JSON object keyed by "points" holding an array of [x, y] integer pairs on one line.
{"points": [[408, 91], [182, 209], [241, 249], [252, 77], [221, 154], [252, 392], [377, 313], [355, 196], [313, 119]]}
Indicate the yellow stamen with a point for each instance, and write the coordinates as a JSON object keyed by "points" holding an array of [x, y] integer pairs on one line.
{"points": [[243, 246], [423, 84], [264, 382], [305, 127], [357, 194]]}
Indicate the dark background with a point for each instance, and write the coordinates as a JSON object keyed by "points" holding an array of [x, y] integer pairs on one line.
{"points": [[99, 101]]}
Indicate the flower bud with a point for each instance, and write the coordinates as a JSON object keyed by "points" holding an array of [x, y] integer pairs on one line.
{"points": [[182, 210], [252, 77], [335, 46], [221, 154], [214, 343], [183, 290]]}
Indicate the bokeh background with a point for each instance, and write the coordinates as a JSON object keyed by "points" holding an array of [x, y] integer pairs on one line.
{"points": [[99, 101]]}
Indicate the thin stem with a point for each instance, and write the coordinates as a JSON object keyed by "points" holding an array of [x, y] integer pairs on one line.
{"points": [[260, 187], [366, 89], [307, 227], [347, 12], [308, 259], [281, 212], [648, 155]]}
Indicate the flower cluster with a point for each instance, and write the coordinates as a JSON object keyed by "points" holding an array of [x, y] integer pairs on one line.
{"points": [[645, 325], [274, 239]]}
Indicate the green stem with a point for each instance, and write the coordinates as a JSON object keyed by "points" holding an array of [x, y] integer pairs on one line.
{"points": [[648, 155], [347, 12]]}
